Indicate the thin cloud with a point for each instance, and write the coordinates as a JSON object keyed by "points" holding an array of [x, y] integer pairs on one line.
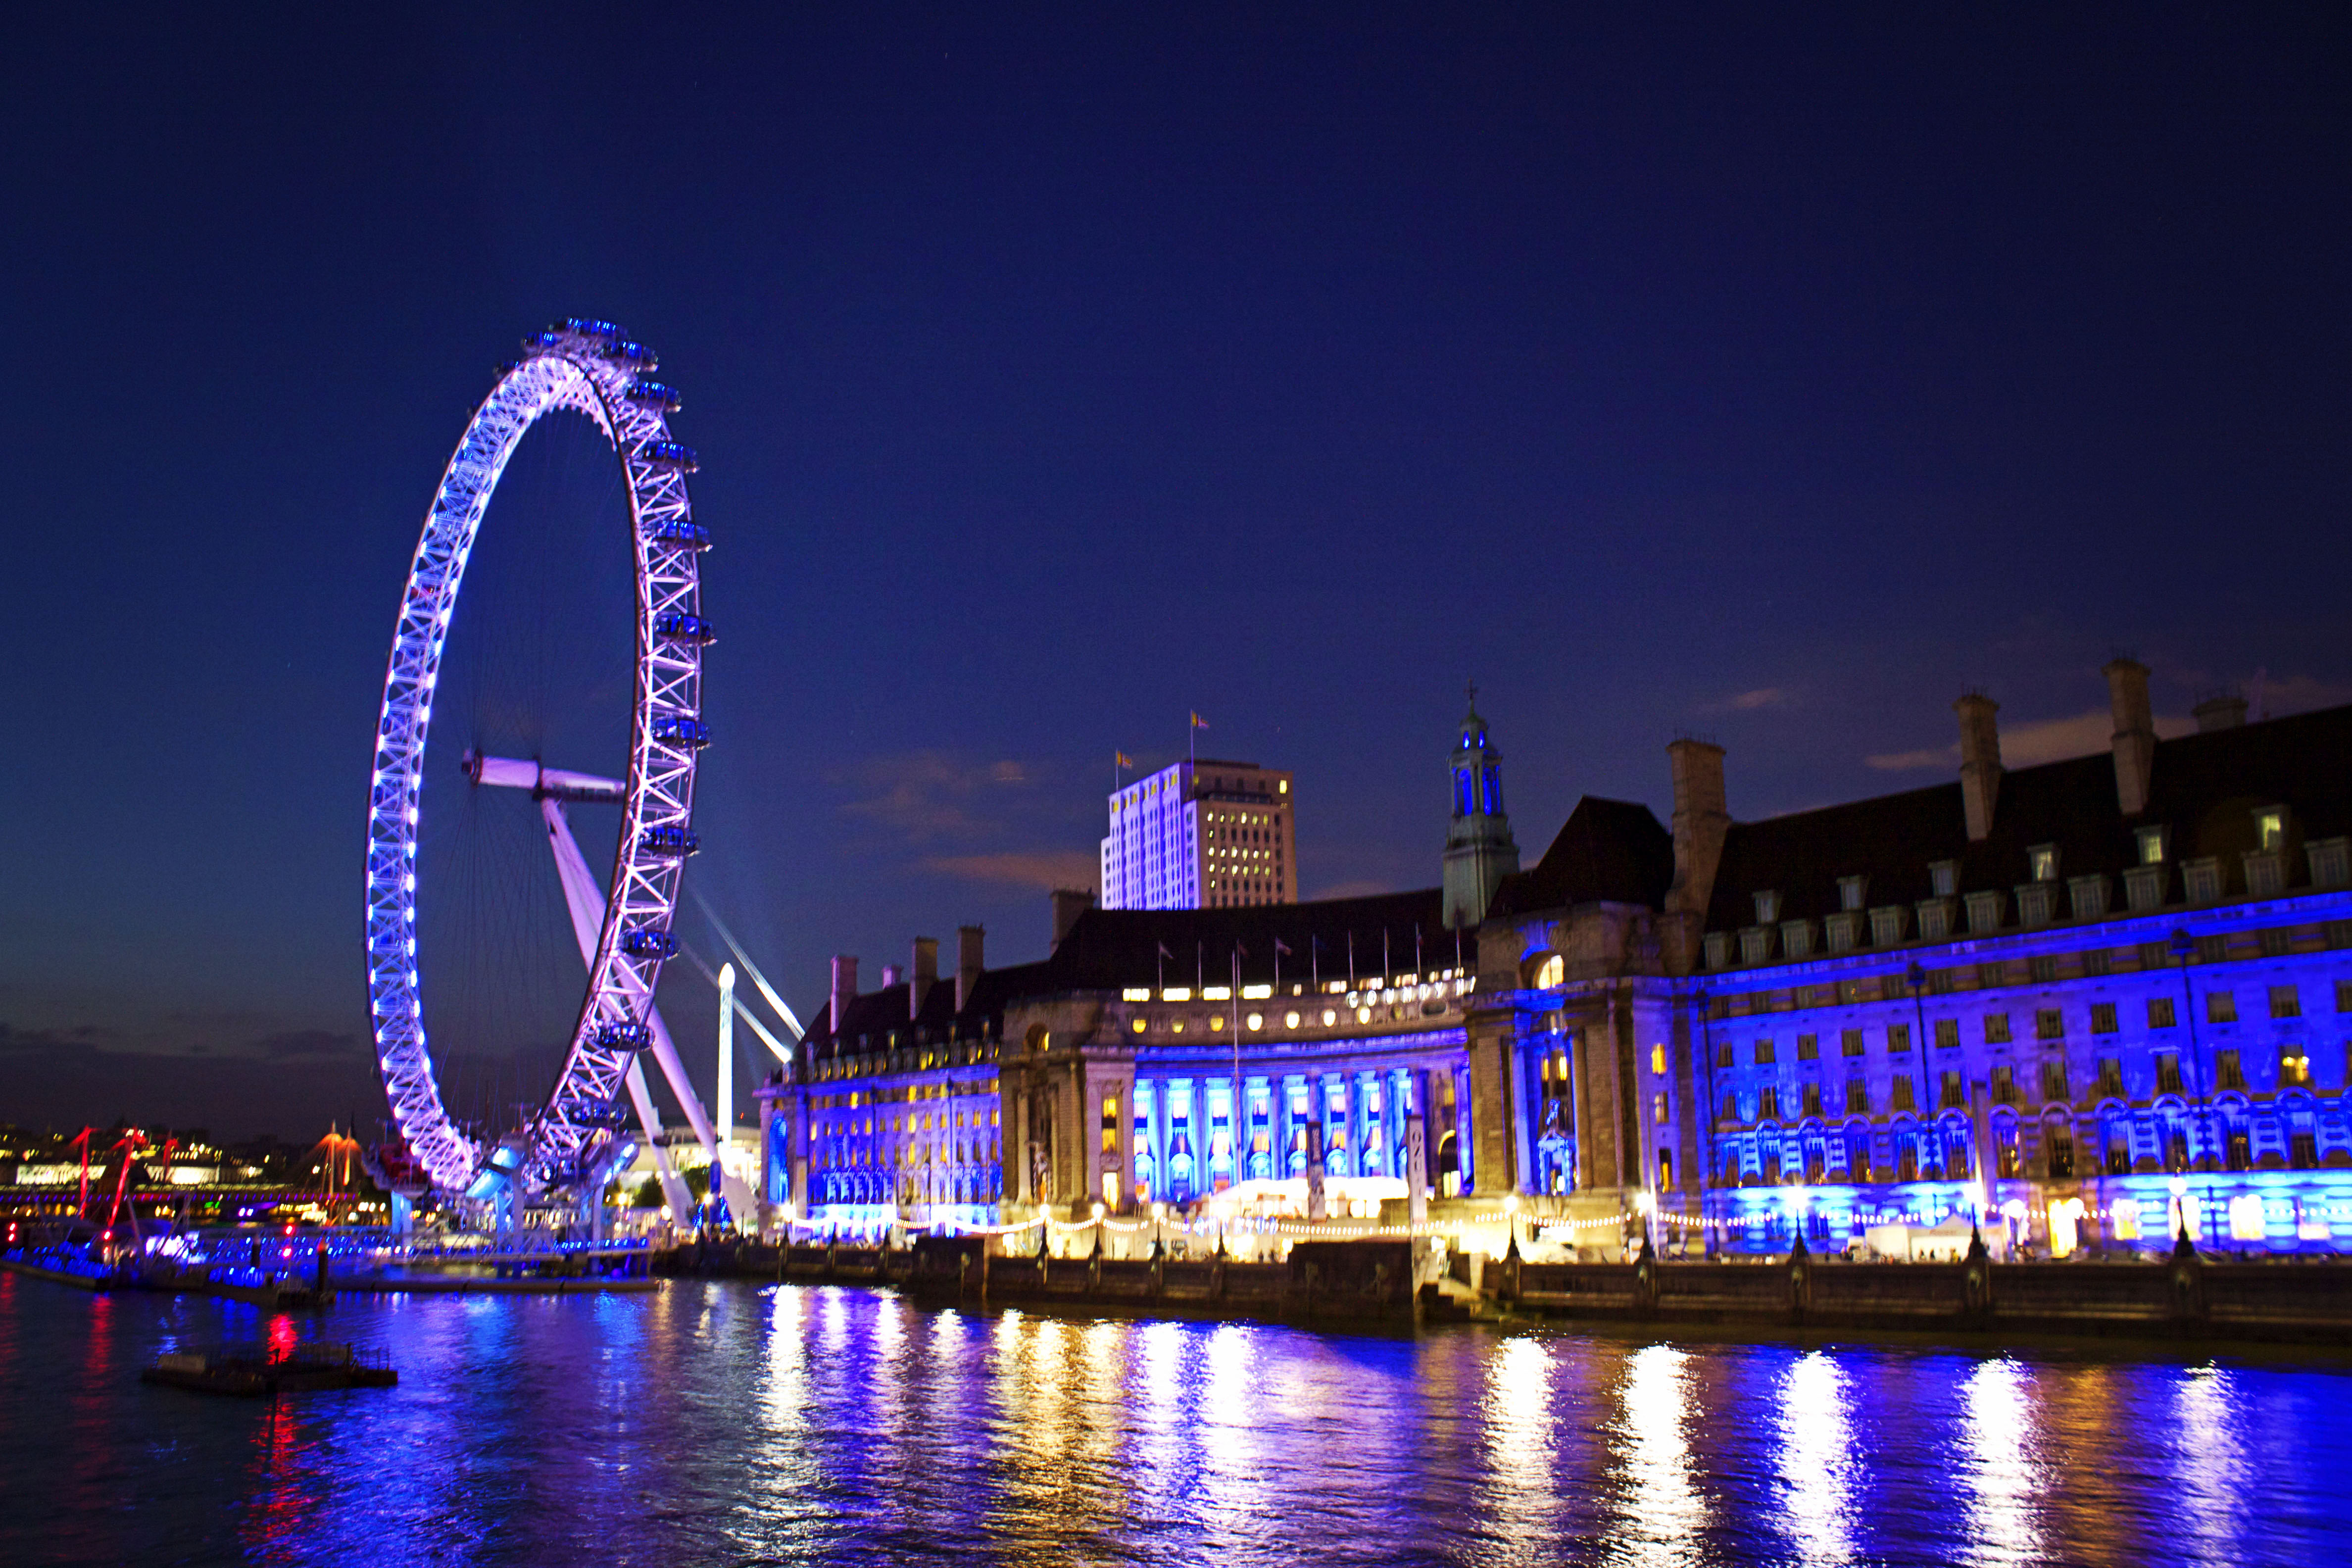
{"points": [[1048, 871], [924, 797], [1750, 702], [2037, 740]]}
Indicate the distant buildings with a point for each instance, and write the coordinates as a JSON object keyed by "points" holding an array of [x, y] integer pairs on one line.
{"points": [[2086, 1002], [1201, 835]]}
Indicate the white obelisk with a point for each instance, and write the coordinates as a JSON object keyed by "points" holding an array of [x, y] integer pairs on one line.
{"points": [[726, 1062]]}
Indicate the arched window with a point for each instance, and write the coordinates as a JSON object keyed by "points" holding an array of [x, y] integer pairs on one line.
{"points": [[1494, 783], [1462, 805], [1545, 971]]}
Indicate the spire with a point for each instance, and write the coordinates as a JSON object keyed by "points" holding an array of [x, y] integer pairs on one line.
{"points": [[1479, 850]]}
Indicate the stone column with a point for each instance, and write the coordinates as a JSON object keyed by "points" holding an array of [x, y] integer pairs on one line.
{"points": [[1416, 1147], [1021, 1165]]}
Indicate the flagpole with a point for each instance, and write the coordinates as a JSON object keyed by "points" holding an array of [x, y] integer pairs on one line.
{"points": [[1237, 1127]]}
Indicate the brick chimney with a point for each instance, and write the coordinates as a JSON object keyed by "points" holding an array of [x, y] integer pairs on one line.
{"points": [[1980, 761], [2222, 710], [2135, 739], [1700, 822], [1069, 903], [844, 991], [891, 976], [968, 961], [926, 973]]}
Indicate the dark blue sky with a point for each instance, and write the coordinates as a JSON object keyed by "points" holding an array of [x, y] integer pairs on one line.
{"points": [[1058, 370]]}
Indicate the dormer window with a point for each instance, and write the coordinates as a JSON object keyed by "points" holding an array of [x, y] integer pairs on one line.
{"points": [[2269, 827], [1851, 890], [1944, 877], [2153, 848], [1768, 907], [2042, 862]]}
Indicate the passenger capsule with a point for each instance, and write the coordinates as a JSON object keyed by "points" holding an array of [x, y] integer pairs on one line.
{"points": [[679, 627], [669, 839], [650, 944], [681, 729], [680, 532], [669, 454], [654, 394]]}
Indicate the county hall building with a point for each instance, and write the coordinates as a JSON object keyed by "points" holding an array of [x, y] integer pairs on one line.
{"points": [[2085, 1003]]}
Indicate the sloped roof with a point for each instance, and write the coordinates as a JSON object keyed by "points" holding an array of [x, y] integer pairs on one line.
{"points": [[2204, 787], [1607, 851], [1110, 950]]}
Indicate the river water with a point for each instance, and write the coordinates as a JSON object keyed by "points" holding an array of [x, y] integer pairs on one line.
{"points": [[724, 1422]]}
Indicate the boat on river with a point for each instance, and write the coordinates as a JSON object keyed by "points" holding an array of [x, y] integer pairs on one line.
{"points": [[251, 1373]]}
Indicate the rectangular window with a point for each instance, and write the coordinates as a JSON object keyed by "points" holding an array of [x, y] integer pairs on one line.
{"points": [[1898, 1038], [1904, 1097], [2344, 996], [1955, 1091], [1658, 1108], [2220, 1006], [1810, 1098], [1995, 1028], [1947, 1033], [1723, 1054], [1943, 876], [2111, 1079], [1767, 1104], [1857, 1097], [1809, 1047], [2168, 1072], [2294, 1067], [2213, 950], [2049, 1024], [1850, 1043], [1941, 983], [2286, 1002], [1763, 1053], [2103, 1017], [2277, 940], [2004, 1085], [1731, 1108], [2159, 1012], [2045, 967], [1666, 1170], [2053, 1081], [2227, 1073], [2302, 1152], [2098, 964]]}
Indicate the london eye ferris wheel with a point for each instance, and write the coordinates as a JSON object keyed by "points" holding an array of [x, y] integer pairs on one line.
{"points": [[623, 926]]}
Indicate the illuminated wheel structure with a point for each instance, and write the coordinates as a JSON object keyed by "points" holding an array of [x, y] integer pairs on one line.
{"points": [[590, 368]]}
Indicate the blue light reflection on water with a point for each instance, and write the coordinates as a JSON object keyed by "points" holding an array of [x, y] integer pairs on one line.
{"points": [[721, 1423]]}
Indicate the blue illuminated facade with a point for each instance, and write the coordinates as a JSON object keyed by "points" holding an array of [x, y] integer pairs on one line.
{"points": [[2082, 1004]]}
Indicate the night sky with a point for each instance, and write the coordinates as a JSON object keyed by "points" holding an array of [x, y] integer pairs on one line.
{"points": [[1058, 371]]}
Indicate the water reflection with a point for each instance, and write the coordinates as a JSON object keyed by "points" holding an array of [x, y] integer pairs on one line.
{"points": [[1664, 1513], [1816, 1460], [1997, 1429], [715, 1423], [1519, 1412], [2208, 1461]]}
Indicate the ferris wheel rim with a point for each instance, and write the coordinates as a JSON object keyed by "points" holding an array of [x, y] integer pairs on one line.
{"points": [[590, 368]]}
